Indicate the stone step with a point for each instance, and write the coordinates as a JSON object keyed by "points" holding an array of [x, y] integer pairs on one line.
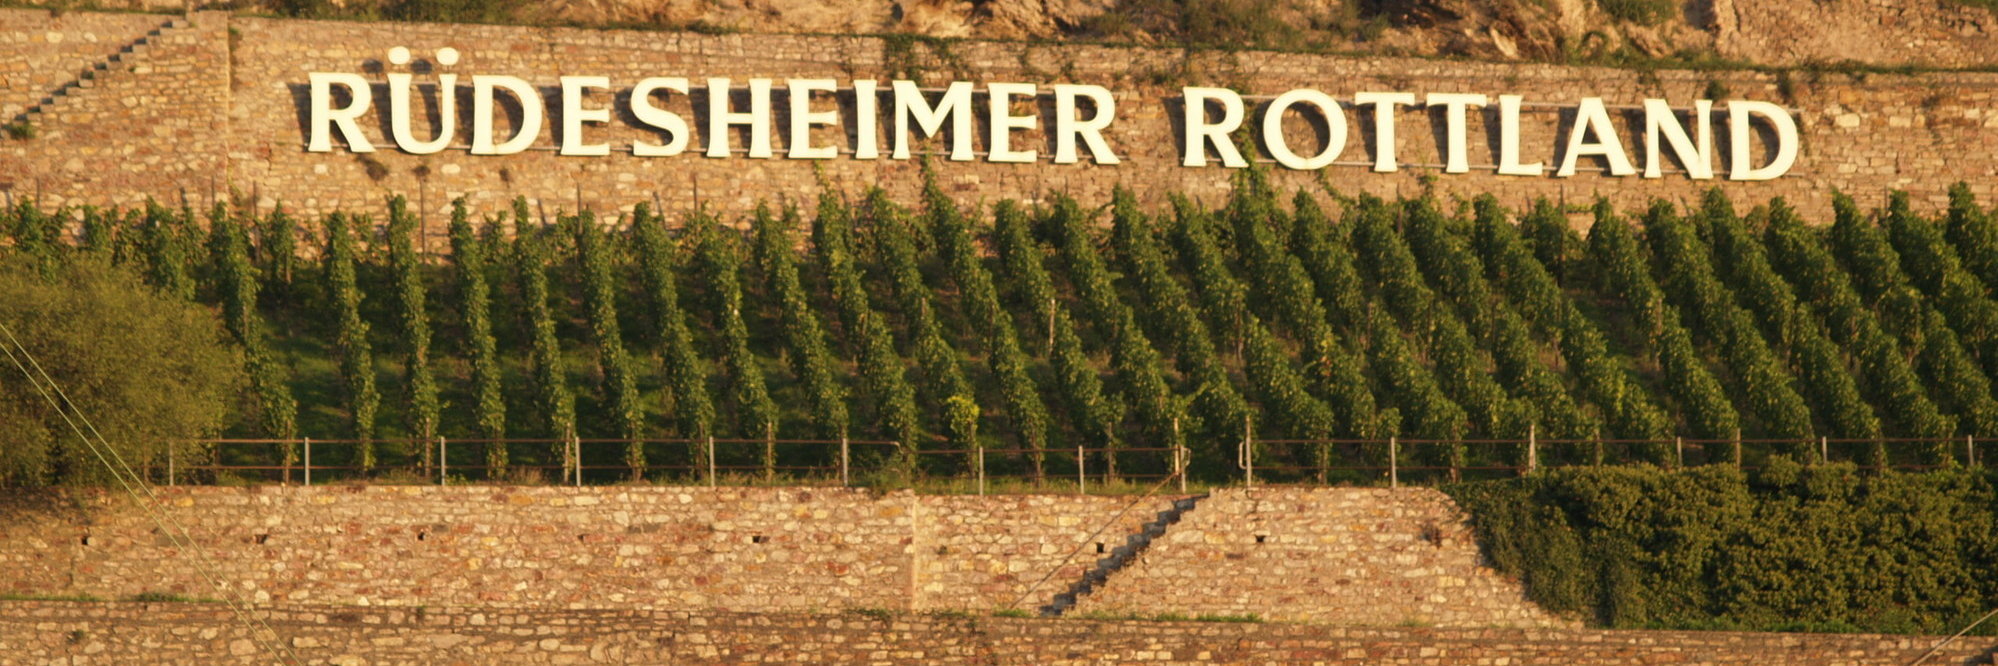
{"points": [[89, 77]]}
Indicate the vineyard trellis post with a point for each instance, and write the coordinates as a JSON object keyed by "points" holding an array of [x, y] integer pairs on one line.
{"points": [[711, 461], [1737, 448], [1245, 454], [845, 461], [981, 471], [1824, 449], [1532, 448], [1081, 471], [1178, 455], [170, 463], [1679, 449], [308, 462], [1394, 461], [1969, 450]]}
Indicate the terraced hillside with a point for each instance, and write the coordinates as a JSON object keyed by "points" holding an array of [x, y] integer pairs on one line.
{"points": [[1315, 324]]}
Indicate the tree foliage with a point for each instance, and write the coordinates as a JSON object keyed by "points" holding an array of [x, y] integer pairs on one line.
{"points": [[150, 371]]}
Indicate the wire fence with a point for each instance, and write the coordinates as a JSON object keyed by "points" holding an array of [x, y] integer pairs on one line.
{"points": [[849, 462]]}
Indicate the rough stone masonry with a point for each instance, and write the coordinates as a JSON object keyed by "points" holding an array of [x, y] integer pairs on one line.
{"points": [[767, 550], [214, 106]]}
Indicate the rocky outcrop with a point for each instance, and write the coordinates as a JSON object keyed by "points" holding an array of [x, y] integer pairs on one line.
{"points": [[1933, 33]]}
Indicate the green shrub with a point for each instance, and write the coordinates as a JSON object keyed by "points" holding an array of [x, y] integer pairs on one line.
{"points": [[1784, 548], [1647, 12], [148, 369]]}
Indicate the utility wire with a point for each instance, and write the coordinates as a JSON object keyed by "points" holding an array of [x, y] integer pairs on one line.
{"points": [[182, 539]]}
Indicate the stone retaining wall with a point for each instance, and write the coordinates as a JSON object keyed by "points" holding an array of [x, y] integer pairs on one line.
{"points": [[1340, 556], [91, 633], [752, 549], [1354, 556], [224, 115]]}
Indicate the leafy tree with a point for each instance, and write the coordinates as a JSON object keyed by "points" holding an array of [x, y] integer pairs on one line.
{"points": [[470, 260], [152, 371]]}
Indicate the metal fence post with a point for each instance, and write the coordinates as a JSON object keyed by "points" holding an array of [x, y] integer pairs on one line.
{"points": [[711, 461], [1969, 450], [576, 455], [1824, 449], [845, 462], [308, 462], [443, 466], [1081, 471], [1394, 461], [1532, 448], [1178, 455], [1679, 449], [170, 463], [1245, 454], [1737, 448], [981, 470]]}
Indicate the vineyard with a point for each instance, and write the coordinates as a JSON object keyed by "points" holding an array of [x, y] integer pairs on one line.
{"points": [[1311, 336]]}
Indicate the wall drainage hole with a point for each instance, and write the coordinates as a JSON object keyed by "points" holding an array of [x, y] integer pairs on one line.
{"points": [[261, 538], [420, 536], [1099, 547], [1260, 538], [759, 539]]}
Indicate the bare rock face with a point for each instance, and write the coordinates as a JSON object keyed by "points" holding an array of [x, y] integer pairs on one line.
{"points": [[1935, 33]]}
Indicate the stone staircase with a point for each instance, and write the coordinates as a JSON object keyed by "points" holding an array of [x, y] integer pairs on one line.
{"points": [[1119, 557], [124, 61]]}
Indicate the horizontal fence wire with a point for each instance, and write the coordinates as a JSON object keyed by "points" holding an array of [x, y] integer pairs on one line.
{"points": [[735, 460]]}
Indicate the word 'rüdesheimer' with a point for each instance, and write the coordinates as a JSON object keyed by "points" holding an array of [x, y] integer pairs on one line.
{"points": [[1208, 117]]}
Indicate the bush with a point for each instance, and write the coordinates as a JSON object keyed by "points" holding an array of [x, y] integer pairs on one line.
{"points": [[145, 368], [1647, 12], [1785, 548]]}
